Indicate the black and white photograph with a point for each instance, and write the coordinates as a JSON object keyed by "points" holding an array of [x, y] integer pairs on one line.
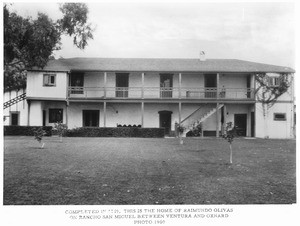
{"points": [[149, 113]]}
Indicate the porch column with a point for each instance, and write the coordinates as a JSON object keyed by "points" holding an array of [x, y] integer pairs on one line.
{"points": [[104, 114], [143, 82], [217, 120], [142, 114], [28, 112], [67, 109], [67, 85], [179, 113], [225, 116], [105, 80], [218, 84], [179, 78]]}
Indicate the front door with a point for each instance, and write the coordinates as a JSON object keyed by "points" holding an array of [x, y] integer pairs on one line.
{"points": [[165, 121], [166, 84], [122, 80], [240, 122], [210, 83], [90, 118]]}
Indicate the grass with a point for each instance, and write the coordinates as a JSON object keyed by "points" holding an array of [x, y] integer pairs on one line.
{"points": [[100, 171]]}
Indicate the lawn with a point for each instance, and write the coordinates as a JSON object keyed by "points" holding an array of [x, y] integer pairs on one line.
{"points": [[101, 171]]}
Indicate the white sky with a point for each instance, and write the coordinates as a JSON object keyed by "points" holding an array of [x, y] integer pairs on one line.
{"points": [[260, 32]]}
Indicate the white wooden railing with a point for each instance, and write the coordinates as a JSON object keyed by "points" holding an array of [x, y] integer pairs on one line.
{"points": [[161, 93]]}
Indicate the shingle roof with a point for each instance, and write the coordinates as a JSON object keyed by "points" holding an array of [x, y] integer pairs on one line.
{"points": [[161, 65]]}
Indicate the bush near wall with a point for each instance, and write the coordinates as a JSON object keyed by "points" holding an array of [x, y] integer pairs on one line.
{"points": [[25, 130], [116, 132]]}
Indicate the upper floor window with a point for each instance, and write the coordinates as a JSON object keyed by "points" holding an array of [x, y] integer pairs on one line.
{"points": [[274, 81], [49, 80]]}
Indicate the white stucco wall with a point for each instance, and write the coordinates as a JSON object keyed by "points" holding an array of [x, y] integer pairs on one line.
{"points": [[36, 113], [36, 89], [20, 108], [267, 127]]}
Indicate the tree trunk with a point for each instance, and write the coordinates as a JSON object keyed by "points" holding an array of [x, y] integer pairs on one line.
{"points": [[230, 154], [180, 138]]}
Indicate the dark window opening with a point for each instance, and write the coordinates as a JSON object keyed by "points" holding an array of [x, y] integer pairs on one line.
{"points": [[55, 115], [210, 83], [166, 84], [90, 118], [279, 117], [14, 118], [122, 81], [77, 82], [49, 79]]}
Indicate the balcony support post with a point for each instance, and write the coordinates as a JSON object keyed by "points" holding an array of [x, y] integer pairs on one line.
{"points": [[28, 112], [218, 85], [143, 83], [225, 116], [104, 114], [142, 114], [179, 84], [67, 110], [105, 81], [179, 113], [217, 120]]}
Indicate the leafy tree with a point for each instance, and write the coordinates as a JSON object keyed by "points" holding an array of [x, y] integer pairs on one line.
{"points": [[229, 135], [38, 135], [61, 129], [30, 42]]}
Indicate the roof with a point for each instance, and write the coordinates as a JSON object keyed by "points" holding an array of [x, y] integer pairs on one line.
{"points": [[161, 65]]}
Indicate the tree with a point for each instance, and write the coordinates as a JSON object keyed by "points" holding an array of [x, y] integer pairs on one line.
{"points": [[229, 135], [61, 129], [30, 42], [38, 135]]}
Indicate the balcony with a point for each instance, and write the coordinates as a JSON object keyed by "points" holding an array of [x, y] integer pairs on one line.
{"points": [[160, 93]]}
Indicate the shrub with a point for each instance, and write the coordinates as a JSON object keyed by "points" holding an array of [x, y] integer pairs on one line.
{"points": [[25, 130], [115, 132]]}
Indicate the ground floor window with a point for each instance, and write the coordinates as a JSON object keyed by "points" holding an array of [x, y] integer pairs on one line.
{"points": [[14, 118], [90, 118], [279, 117], [55, 115]]}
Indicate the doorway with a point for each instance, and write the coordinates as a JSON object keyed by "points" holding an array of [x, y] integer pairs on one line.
{"points": [[44, 117], [77, 83], [210, 84], [90, 118], [252, 124], [122, 81], [14, 118], [165, 121], [240, 122], [166, 84]]}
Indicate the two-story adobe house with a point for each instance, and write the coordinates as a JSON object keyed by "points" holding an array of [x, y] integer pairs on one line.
{"points": [[107, 92]]}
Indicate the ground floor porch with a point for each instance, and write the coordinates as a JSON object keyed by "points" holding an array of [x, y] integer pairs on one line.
{"points": [[213, 116]]}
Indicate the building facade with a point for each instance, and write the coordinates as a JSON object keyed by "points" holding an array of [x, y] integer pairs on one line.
{"points": [[98, 92]]}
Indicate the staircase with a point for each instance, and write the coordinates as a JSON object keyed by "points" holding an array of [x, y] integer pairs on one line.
{"points": [[197, 117], [14, 100]]}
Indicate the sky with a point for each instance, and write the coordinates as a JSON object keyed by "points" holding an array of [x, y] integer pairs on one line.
{"points": [[259, 32]]}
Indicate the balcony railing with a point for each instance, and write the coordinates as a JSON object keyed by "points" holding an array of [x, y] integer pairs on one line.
{"points": [[160, 93]]}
